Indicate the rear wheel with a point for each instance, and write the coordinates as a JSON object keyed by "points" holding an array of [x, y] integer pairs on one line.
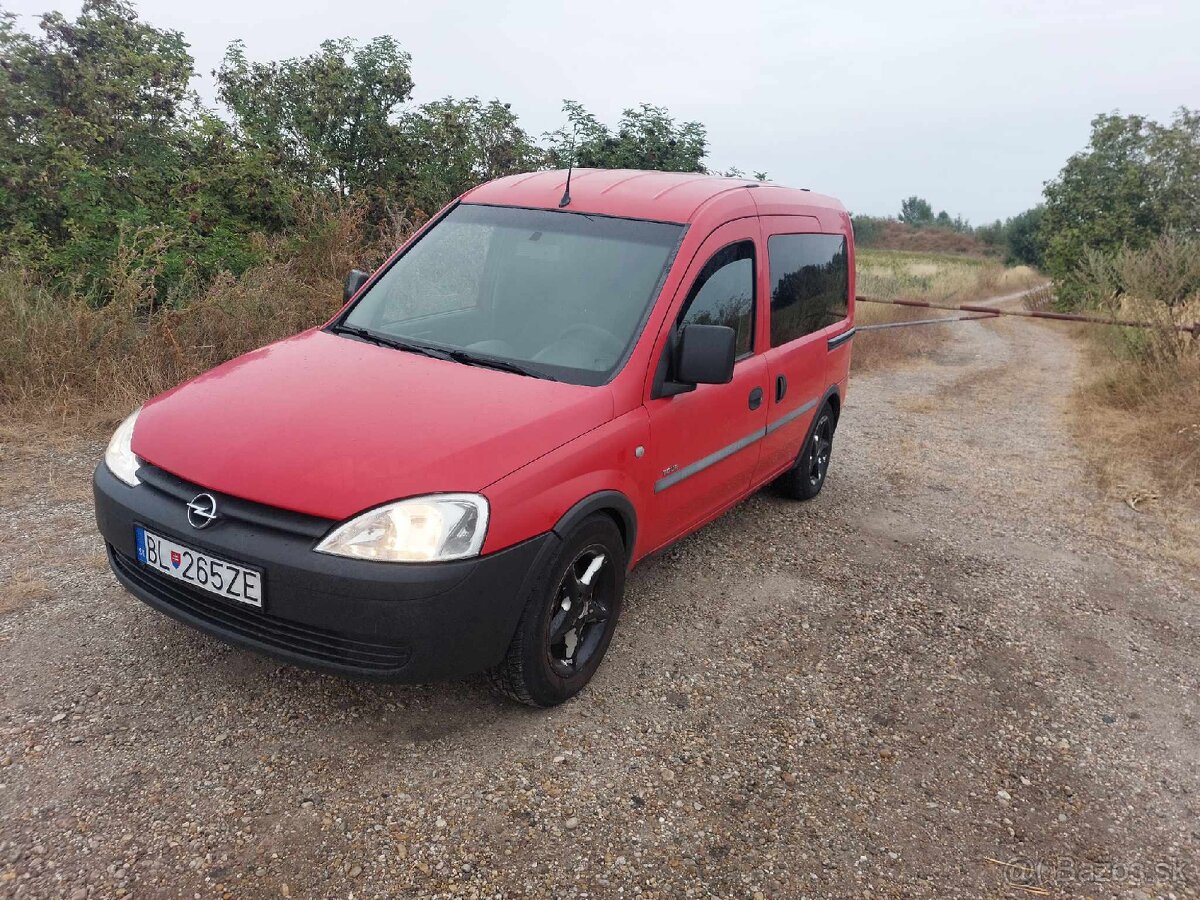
{"points": [[569, 619], [806, 478]]}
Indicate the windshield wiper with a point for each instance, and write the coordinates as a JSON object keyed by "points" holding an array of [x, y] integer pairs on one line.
{"points": [[384, 340], [461, 356], [491, 362]]}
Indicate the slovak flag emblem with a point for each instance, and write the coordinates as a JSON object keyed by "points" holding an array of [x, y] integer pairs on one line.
{"points": [[176, 559]]}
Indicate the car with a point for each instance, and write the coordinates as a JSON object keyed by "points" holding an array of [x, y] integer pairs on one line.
{"points": [[557, 376]]}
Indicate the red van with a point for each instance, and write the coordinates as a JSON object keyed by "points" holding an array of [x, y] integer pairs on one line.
{"points": [[538, 390]]}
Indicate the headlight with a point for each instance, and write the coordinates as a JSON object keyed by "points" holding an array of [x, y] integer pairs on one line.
{"points": [[119, 457], [436, 528]]}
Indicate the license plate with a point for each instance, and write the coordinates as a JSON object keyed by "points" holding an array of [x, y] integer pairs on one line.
{"points": [[208, 573]]}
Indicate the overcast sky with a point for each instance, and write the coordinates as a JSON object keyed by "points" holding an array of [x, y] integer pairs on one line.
{"points": [[972, 105]]}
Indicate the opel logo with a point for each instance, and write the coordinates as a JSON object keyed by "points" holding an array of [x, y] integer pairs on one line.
{"points": [[202, 510]]}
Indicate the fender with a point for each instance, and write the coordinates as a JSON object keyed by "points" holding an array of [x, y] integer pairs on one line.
{"points": [[832, 391], [603, 500]]}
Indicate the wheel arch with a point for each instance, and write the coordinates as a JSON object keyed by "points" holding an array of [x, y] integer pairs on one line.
{"points": [[833, 397], [611, 503]]}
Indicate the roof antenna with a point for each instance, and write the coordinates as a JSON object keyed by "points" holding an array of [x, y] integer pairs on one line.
{"points": [[566, 197]]}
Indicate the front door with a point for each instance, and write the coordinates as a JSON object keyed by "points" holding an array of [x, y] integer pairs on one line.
{"points": [[705, 442]]}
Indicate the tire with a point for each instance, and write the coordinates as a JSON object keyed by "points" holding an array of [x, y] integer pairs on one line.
{"points": [[557, 648], [804, 480]]}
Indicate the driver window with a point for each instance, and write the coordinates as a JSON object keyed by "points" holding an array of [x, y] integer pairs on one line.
{"points": [[723, 294]]}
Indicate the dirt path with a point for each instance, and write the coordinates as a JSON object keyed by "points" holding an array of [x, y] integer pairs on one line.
{"points": [[951, 657]]}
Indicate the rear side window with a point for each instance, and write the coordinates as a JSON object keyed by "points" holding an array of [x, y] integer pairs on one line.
{"points": [[723, 294], [810, 284]]}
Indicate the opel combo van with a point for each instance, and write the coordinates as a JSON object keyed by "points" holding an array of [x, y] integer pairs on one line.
{"points": [[455, 474]]}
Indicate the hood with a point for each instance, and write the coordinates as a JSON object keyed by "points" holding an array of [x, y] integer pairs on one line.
{"points": [[329, 426]]}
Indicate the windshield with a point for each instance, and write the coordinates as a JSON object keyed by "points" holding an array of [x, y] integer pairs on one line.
{"points": [[562, 295]]}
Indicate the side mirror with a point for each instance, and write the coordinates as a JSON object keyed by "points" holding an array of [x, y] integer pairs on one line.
{"points": [[356, 279], [705, 354]]}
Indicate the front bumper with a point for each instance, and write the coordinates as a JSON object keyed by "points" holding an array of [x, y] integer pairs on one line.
{"points": [[409, 622]]}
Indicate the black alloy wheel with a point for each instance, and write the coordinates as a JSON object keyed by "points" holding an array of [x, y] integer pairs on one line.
{"points": [[570, 615], [806, 478], [818, 453], [583, 605]]}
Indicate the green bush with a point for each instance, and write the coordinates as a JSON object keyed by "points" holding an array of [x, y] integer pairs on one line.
{"points": [[867, 229], [1135, 181], [1159, 283]]}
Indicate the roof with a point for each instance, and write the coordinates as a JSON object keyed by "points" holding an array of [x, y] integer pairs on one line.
{"points": [[664, 196]]}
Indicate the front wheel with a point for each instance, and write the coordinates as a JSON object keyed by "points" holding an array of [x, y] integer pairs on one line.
{"points": [[806, 478], [569, 619]]}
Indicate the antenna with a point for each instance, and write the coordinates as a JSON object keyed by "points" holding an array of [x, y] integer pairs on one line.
{"points": [[566, 197]]}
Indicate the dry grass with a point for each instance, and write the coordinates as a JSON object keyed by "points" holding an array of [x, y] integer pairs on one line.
{"points": [[1138, 427], [890, 274], [63, 360], [899, 236], [1139, 423], [1138, 411], [21, 590], [32, 456]]}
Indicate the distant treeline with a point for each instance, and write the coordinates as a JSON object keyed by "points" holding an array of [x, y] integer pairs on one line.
{"points": [[1016, 239]]}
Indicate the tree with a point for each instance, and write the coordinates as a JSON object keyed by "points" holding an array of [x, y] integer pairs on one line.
{"points": [[992, 234], [101, 136], [1175, 166], [645, 138], [327, 118], [1135, 180], [87, 112], [110, 165], [448, 146], [1022, 234], [916, 211]]}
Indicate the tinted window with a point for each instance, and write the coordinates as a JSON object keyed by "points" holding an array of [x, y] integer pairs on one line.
{"points": [[723, 294], [810, 284]]}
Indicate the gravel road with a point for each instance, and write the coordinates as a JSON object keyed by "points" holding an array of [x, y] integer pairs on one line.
{"points": [[959, 672]]}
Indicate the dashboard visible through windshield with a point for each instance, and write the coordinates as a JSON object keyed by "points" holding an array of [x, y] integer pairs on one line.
{"points": [[559, 294]]}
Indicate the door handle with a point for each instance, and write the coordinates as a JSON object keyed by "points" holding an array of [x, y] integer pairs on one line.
{"points": [[780, 387], [756, 396]]}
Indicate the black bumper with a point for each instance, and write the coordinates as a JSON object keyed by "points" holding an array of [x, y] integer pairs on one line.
{"points": [[408, 622]]}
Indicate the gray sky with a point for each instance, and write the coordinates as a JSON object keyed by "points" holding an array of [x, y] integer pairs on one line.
{"points": [[972, 105]]}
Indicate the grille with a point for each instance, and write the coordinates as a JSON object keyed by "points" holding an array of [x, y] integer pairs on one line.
{"points": [[235, 508], [318, 645]]}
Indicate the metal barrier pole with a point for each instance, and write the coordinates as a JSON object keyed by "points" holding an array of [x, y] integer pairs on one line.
{"points": [[991, 311]]}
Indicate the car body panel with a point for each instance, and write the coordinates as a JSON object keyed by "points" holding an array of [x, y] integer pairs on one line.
{"points": [[327, 425], [605, 459]]}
